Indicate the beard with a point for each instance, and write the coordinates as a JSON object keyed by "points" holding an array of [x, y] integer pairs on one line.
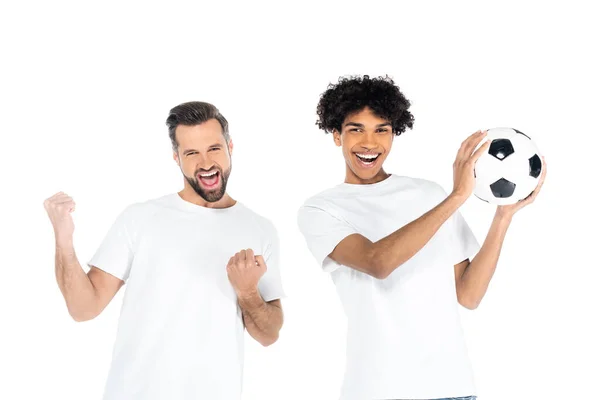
{"points": [[210, 195]]}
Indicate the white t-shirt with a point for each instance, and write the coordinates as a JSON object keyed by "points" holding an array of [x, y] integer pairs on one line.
{"points": [[180, 332], [404, 337]]}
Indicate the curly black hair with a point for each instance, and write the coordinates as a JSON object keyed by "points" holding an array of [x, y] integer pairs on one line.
{"points": [[354, 93]]}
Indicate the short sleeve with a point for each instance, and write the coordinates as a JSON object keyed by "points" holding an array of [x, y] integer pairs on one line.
{"points": [[270, 285], [465, 244], [323, 231], [115, 254]]}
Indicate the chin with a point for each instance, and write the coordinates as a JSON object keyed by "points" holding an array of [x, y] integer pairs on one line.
{"points": [[366, 175]]}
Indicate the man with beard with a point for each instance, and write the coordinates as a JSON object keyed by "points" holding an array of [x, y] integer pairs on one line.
{"points": [[199, 267], [399, 252]]}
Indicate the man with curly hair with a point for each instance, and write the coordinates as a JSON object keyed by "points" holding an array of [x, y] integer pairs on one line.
{"points": [[399, 251]]}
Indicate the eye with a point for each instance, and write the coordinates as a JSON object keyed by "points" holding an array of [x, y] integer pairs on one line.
{"points": [[191, 153], [214, 149], [354, 130], [382, 130]]}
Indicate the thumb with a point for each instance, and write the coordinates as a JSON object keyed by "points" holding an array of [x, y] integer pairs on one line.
{"points": [[261, 261]]}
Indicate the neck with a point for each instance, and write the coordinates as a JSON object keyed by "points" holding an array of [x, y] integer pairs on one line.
{"points": [[189, 194], [354, 179]]}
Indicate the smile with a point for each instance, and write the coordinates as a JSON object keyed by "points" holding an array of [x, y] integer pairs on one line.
{"points": [[367, 159], [210, 180]]}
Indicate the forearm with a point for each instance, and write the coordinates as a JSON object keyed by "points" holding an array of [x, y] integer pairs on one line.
{"points": [[74, 284], [263, 320], [478, 274], [398, 247]]}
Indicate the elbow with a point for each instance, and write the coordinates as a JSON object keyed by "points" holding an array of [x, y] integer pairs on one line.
{"points": [[377, 267], [267, 341], [380, 273], [82, 315], [469, 302], [78, 317]]}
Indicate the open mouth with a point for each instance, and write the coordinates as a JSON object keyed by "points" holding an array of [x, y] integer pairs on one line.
{"points": [[367, 159], [210, 180]]}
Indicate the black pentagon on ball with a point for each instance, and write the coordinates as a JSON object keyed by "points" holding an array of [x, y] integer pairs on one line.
{"points": [[501, 148], [503, 188], [535, 166]]}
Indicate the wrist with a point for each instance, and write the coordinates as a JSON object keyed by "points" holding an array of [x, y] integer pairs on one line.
{"points": [[248, 294], [458, 197], [64, 243], [504, 216], [250, 300]]}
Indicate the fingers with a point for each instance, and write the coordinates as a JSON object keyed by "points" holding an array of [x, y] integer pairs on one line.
{"points": [[544, 166], [471, 137], [469, 144], [530, 199], [250, 260], [260, 261], [53, 208], [244, 258], [537, 189], [484, 147], [58, 196], [59, 201], [543, 177]]}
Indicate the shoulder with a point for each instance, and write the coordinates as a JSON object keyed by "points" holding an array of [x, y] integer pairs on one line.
{"points": [[136, 213], [427, 186], [321, 209], [324, 200], [263, 224], [145, 207]]}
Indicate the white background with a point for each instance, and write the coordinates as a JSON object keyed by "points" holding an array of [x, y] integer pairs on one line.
{"points": [[85, 90]]}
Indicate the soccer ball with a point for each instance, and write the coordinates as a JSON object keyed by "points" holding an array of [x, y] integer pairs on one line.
{"points": [[510, 170]]}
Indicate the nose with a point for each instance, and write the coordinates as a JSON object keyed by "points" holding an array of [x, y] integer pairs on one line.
{"points": [[368, 142], [367, 147], [205, 163]]}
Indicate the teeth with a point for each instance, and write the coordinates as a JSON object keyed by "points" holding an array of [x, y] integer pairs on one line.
{"points": [[368, 156], [208, 175]]}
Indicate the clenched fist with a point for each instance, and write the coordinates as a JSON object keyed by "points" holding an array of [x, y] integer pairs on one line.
{"points": [[464, 165], [59, 208], [244, 271]]}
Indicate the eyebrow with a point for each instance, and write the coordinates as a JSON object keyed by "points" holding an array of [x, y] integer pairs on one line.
{"points": [[210, 147], [362, 126]]}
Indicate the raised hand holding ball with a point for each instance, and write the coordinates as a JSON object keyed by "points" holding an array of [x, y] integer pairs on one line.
{"points": [[511, 168]]}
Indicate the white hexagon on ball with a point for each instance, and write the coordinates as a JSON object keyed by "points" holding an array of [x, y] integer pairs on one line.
{"points": [[511, 168]]}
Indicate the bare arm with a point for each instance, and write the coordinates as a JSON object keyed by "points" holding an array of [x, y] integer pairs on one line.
{"points": [[263, 320], [86, 295], [381, 258], [473, 278]]}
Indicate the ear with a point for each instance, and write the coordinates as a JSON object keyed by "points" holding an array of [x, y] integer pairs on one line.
{"points": [[230, 146], [176, 157], [337, 137]]}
